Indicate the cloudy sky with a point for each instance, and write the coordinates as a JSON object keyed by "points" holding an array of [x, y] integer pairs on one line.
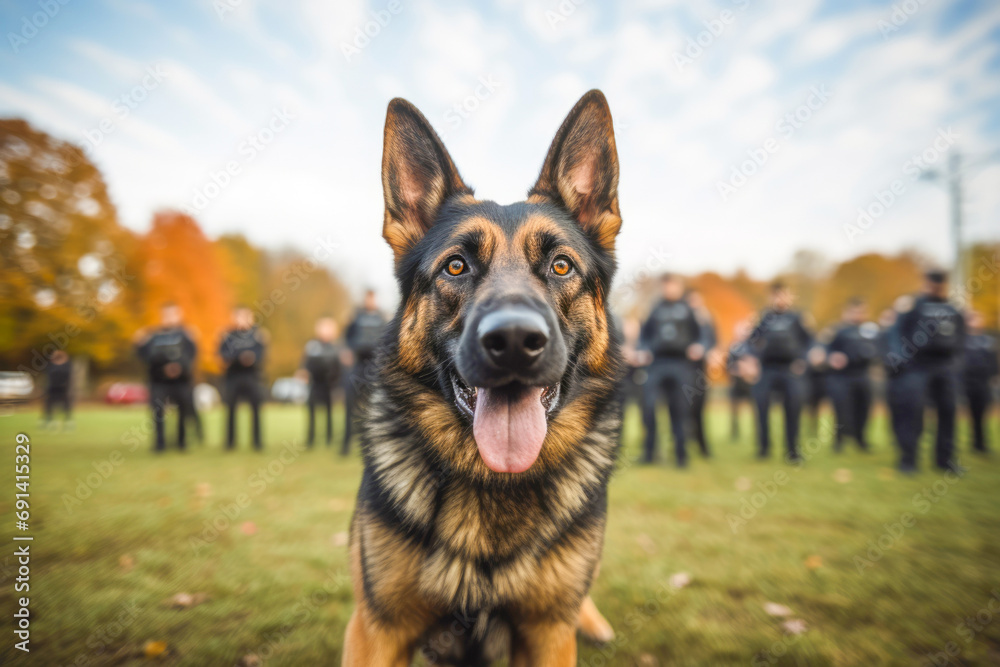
{"points": [[746, 129]]}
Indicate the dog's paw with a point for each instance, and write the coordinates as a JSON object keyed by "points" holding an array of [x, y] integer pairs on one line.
{"points": [[593, 625]]}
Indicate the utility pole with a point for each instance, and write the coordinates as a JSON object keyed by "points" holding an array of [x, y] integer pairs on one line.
{"points": [[955, 193]]}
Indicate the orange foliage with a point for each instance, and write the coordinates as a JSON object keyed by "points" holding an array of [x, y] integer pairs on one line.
{"points": [[726, 303], [181, 265]]}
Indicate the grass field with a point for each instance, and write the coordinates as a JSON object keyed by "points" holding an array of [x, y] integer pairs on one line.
{"points": [[881, 569]]}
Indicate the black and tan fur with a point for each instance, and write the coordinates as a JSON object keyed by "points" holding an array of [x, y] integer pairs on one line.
{"points": [[448, 557]]}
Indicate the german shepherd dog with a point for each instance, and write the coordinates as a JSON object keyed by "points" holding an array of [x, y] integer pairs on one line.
{"points": [[492, 426]]}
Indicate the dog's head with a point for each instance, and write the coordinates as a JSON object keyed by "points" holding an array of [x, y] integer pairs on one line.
{"points": [[503, 309]]}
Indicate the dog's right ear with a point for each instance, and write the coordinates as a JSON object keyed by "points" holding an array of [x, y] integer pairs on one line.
{"points": [[418, 176]]}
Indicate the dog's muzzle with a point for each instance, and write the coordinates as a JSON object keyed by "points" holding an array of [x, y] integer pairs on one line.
{"points": [[511, 342]]}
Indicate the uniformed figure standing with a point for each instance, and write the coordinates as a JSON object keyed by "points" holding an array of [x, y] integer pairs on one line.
{"points": [[932, 340], [242, 351], [980, 368], [59, 377], [321, 362], [673, 336], [736, 367], [699, 397], [780, 342], [362, 337], [816, 385], [849, 356], [890, 351], [169, 352]]}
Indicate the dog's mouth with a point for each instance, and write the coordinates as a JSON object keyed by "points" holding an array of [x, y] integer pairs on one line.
{"points": [[509, 422]]}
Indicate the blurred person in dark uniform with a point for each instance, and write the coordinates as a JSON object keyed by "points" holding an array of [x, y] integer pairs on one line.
{"points": [[849, 356], [699, 397], [673, 336], [890, 352], [736, 367], [242, 350], [932, 342], [362, 337], [980, 369], [322, 367], [169, 352], [780, 343], [58, 387], [816, 381]]}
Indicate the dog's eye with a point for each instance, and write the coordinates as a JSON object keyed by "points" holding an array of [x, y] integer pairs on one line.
{"points": [[456, 266], [561, 266]]}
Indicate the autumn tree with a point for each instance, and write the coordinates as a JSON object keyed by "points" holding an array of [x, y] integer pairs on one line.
{"points": [[297, 291], [982, 282], [68, 276], [244, 266], [181, 265], [876, 278]]}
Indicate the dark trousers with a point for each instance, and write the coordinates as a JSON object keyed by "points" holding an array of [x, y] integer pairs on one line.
{"points": [[160, 395], [900, 418], [242, 388], [738, 392], [668, 377], [698, 400], [851, 394], [815, 390], [320, 395], [192, 413], [980, 396], [355, 394], [58, 397], [939, 384], [781, 379]]}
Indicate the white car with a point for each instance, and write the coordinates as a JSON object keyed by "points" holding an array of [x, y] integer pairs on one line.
{"points": [[15, 386], [290, 390]]}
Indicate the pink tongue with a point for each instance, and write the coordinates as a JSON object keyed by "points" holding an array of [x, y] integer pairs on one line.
{"points": [[509, 427]]}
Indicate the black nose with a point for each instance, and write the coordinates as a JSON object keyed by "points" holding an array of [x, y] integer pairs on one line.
{"points": [[514, 338]]}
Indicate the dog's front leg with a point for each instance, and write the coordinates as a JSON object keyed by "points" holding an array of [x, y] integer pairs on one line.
{"points": [[368, 644], [544, 644]]}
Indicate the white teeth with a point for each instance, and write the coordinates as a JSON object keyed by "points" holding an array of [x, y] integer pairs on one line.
{"points": [[465, 396]]}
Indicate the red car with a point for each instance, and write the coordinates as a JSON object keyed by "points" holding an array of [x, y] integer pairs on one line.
{"points": [[126, 393]]}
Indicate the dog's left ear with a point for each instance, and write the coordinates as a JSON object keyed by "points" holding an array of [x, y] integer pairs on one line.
{"points": [[418, 176], [581, 169]]}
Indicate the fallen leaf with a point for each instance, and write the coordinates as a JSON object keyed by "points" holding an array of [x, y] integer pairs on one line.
{"points": [[646, 542], [842, 475], [203, 490], [154, 649], [794, 626], [775, 609], [250, 660], [679, 580], [165, 501], [648, 660], [186, 600], [814, 562], [126, 562], [248, 528], [743, 484], [684, 514], [339, 539]]}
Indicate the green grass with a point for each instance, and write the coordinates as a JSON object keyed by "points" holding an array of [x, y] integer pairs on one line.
{"points": [[102, 569]]}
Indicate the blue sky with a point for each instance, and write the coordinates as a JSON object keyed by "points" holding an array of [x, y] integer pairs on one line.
{"points": [[873, 84]]}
